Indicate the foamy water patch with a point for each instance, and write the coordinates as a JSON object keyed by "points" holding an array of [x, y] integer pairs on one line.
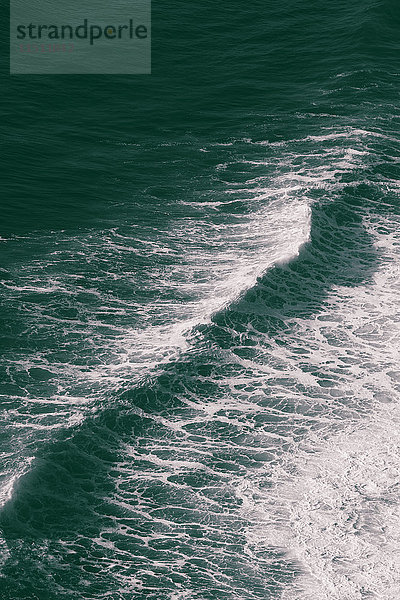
{"points": [[333, 503], [344, 514], [219, 263]]}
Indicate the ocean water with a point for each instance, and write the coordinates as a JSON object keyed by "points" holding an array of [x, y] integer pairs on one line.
{"points": [[200, 377]]}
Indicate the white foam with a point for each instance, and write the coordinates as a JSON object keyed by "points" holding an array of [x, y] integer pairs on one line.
{"points": [[344, 514], [334, 506]]}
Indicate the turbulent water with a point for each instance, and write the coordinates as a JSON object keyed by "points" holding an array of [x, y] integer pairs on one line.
{"points": [[200, 378]]}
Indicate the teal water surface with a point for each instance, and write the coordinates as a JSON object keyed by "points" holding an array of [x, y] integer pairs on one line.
{"points": [[199, 314]]}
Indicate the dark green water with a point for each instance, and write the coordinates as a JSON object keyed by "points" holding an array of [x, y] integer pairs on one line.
{"points": [[199, 314]]}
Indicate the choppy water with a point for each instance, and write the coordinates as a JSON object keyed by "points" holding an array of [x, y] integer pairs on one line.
{"points": [[200, 318]]}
